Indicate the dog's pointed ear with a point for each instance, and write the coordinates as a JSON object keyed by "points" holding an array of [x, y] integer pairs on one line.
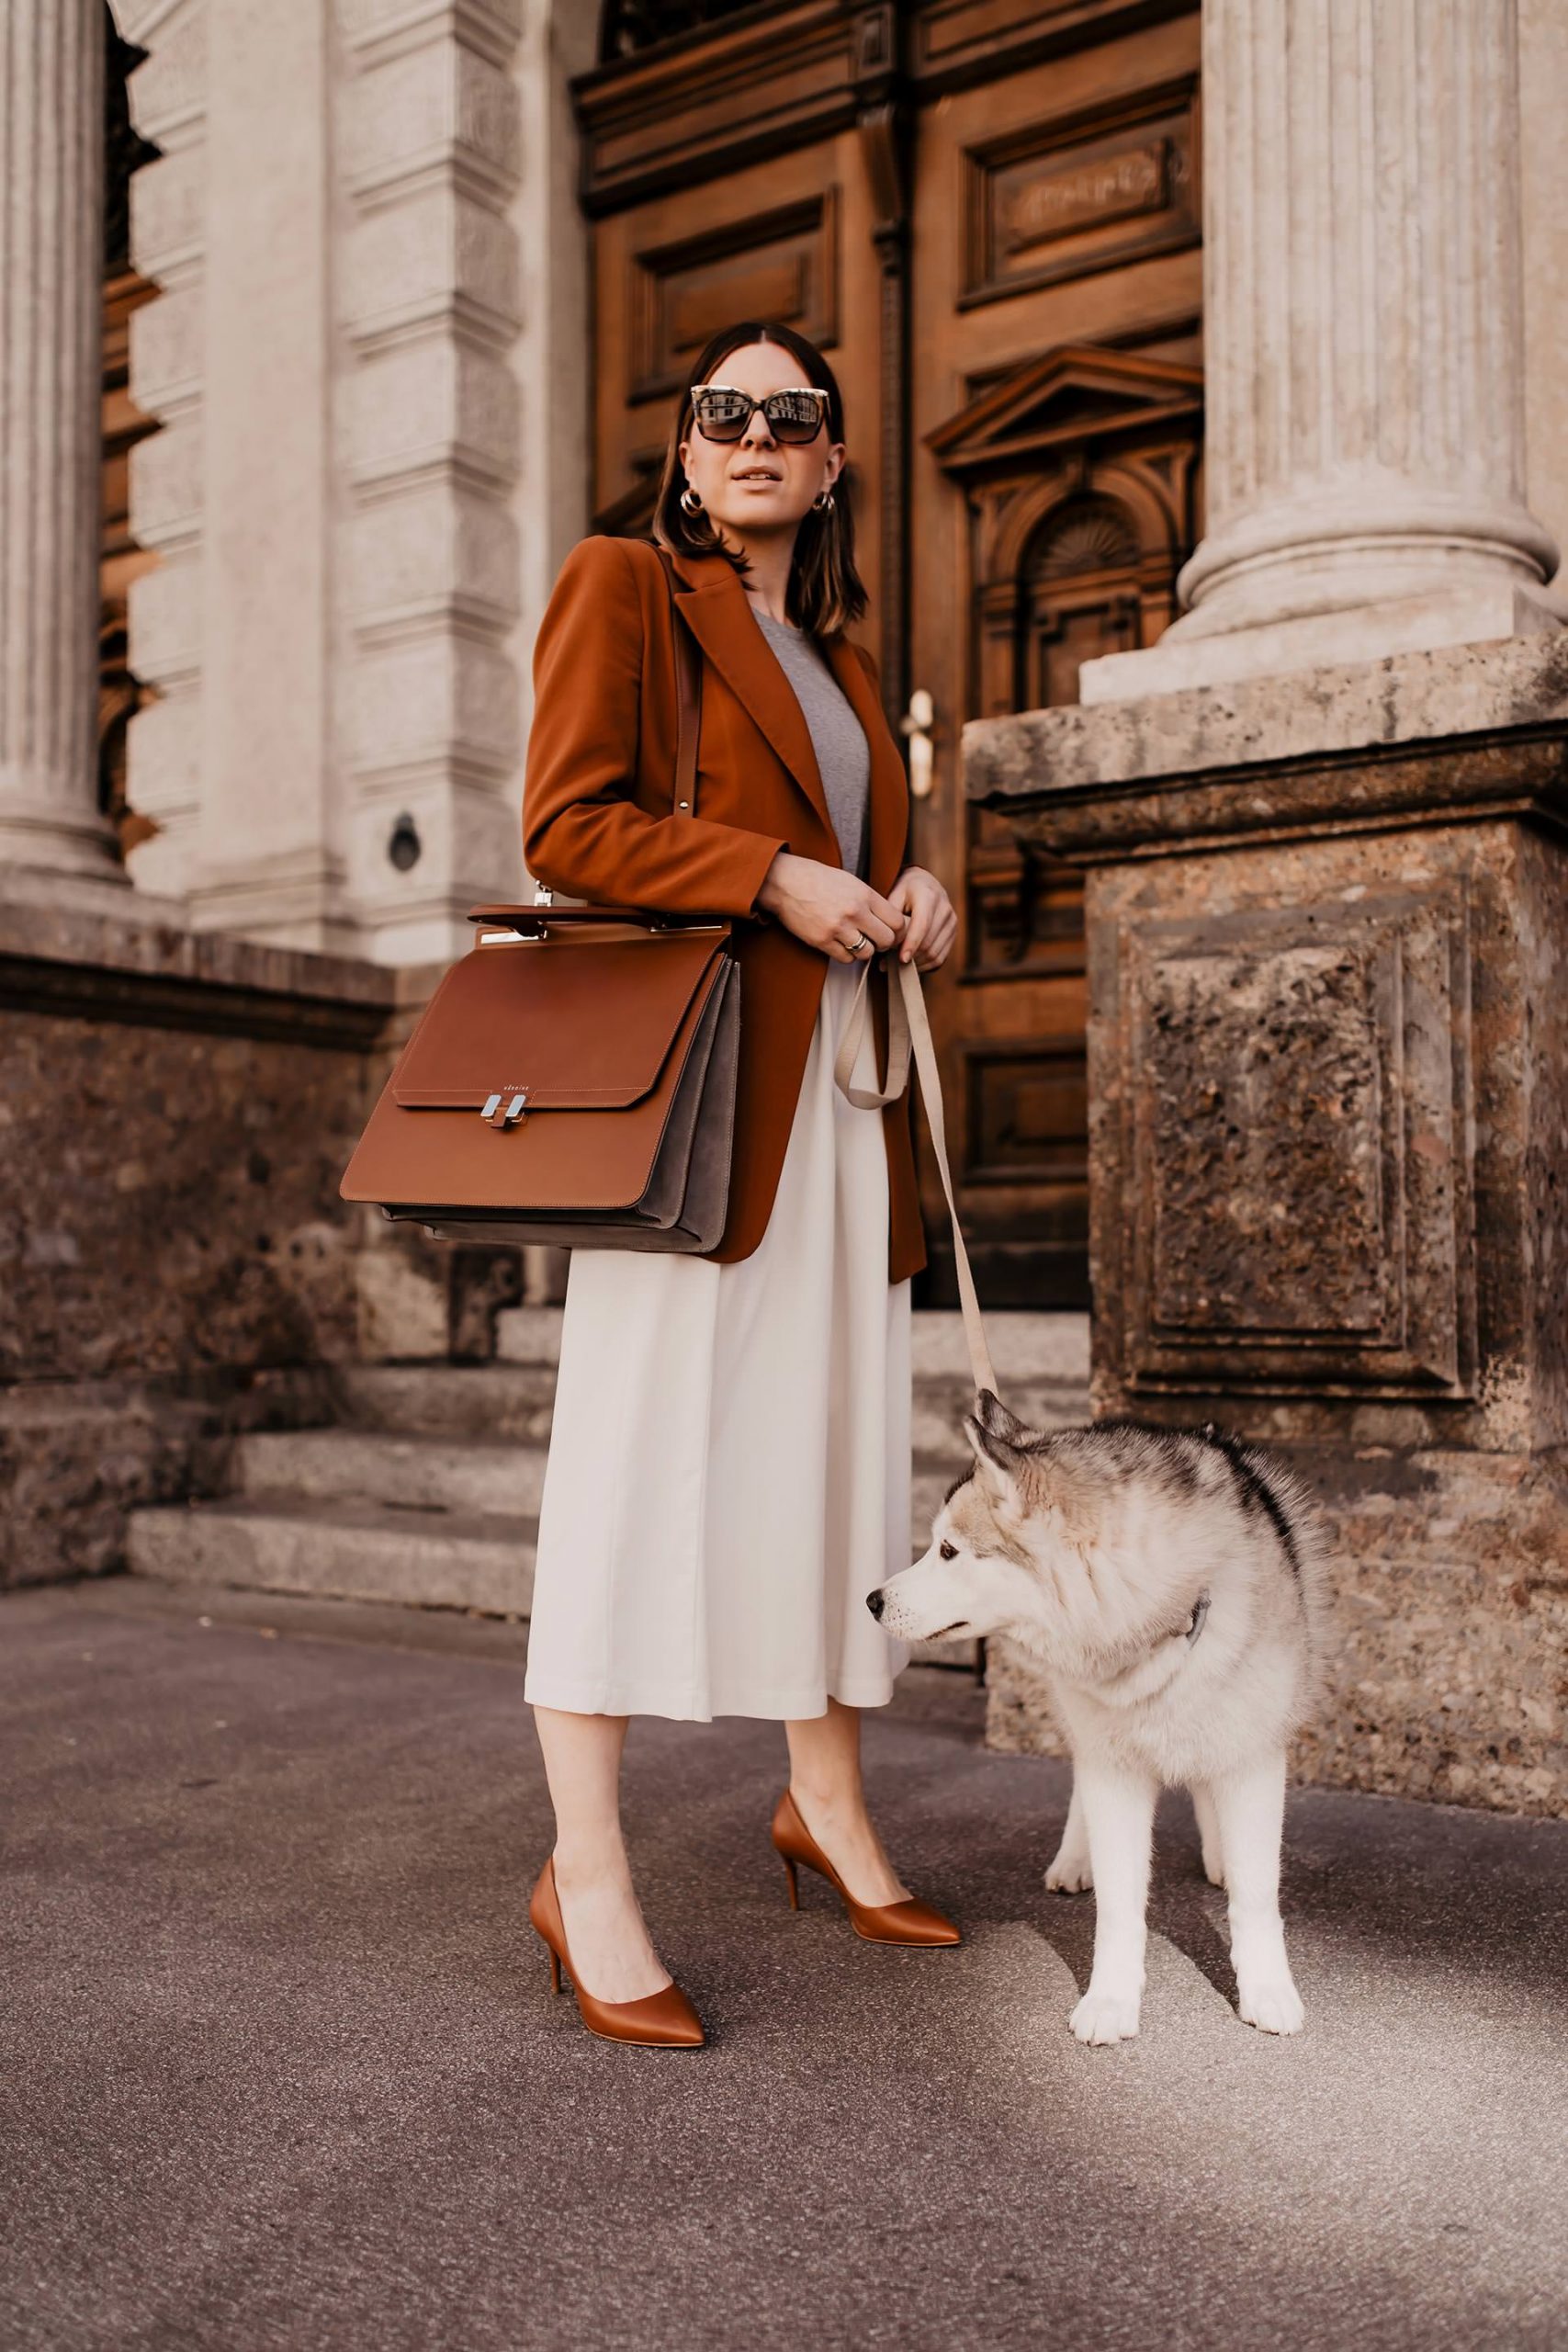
{"points": [[993, 1415], [995, 1456]]}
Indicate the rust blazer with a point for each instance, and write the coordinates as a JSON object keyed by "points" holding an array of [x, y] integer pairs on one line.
{"points": [[599, 823]]}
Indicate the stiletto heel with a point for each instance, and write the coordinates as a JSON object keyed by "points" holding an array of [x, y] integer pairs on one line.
{"points": [[880, 1923], [664, 2020]]}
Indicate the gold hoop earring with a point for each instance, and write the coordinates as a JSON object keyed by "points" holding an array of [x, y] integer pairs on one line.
{"points": [[690, 503], [823, 501]]}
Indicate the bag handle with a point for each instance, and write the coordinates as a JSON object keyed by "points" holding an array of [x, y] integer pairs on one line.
{"points": [[906, 1023], [688, 698]]}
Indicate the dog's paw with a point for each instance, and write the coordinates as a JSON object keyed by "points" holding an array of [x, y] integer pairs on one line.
{"points": [[1270, 2002], [1070, 1874], [1213, 1869], [1102, 2016]]}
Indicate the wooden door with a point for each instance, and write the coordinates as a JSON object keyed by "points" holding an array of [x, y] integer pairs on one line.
{"points": [[730, 174], [986, 213], [1054, 398]]}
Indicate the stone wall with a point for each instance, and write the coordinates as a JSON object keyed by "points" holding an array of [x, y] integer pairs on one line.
{"points": [[175, 1263]]}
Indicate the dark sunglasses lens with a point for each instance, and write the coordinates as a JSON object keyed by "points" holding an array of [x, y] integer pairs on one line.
{"points": [[721, 416], [794, 416]]}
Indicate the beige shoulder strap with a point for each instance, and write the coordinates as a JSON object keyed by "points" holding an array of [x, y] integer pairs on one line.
{"points": [[906, 1023]]}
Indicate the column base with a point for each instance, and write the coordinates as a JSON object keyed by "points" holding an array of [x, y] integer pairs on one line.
{"points": [[49, 843], [1475, 614]]}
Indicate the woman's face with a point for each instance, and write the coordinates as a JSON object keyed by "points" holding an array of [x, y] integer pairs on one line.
{"points": [[758, 485]]}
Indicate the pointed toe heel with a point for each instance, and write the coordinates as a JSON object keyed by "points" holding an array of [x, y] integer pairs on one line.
{"points": [[661, 2020], [909, 1923]]}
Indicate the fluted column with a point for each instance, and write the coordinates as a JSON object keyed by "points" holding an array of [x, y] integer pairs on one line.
{"points": [[51, 138], [1363, 339]]}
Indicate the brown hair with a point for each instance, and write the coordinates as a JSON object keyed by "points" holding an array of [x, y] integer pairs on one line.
{"points": [[826, 593]]}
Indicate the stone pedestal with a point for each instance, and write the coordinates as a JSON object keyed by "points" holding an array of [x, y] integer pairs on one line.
{"points": [[1364, 347], [52, 102], [1327, 922]]}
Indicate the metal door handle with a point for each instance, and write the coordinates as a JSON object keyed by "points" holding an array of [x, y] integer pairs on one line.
{"points": [[917, 724]]}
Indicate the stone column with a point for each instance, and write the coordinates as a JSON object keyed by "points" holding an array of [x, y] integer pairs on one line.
{"points": [[1364, 344], [51, 136]]}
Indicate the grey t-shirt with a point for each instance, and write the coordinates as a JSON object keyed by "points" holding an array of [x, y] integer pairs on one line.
{"points": [[837, 735]]}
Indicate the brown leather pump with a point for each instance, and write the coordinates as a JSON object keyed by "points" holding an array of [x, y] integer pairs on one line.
{"points": [[880, 1923], [664, 2020]]}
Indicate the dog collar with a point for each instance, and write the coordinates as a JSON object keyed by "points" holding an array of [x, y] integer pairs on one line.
{"points": [[1198, 1614]]}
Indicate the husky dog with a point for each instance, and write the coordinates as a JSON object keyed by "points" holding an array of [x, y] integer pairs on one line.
{"points": [[1169, 1584]]}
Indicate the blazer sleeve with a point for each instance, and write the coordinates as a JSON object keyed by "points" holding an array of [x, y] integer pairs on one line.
{"points": [[583, 832]]}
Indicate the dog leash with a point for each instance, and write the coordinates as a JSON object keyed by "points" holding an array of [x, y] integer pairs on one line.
{"points": [[907, 1026]]}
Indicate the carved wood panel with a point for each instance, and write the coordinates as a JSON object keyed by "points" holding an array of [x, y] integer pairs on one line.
{"points": [[1060, 199], [781, 264]]}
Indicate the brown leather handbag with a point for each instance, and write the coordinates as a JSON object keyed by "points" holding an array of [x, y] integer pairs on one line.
{"points": [[573, 1079]]}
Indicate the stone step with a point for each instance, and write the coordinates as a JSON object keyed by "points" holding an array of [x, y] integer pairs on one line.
{"points": [[940, 1402], [468, 1475], [471, 1476], [1027, 1348], [515, 1401], [494, 1400], [429, 1559], [409, 1557]]}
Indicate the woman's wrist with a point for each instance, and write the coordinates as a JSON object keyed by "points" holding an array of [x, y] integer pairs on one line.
{"points": [[767, 890]]}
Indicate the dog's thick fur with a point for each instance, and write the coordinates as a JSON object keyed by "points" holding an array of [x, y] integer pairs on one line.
{"points": [[1169, 1585]]}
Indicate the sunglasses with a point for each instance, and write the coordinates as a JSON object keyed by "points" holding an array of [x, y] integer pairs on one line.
{"points": [[723, 411]]}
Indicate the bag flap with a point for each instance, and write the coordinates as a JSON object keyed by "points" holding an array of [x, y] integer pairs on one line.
{"points": [[571, 1022]]}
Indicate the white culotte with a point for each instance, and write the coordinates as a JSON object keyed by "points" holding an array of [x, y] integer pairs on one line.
{"points": [[729, 1461]]}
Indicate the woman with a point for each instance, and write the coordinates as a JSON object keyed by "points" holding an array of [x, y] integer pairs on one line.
{"points": [[729, 1461]]}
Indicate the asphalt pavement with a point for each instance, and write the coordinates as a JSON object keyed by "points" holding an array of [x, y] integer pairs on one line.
{"points": [[279, 2066]]}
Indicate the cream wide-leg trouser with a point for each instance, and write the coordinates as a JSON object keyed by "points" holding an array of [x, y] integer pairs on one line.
{"points": [[729, 1461]]}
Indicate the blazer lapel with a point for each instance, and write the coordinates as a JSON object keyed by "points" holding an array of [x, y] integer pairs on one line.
{"points": [[721, 620]]}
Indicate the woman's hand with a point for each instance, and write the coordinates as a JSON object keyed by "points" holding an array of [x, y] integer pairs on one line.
{"points": [[932, 920], [829, 908]]}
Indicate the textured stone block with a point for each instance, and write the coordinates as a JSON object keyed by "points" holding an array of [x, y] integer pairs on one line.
{"points": [[413, 702], [1295, 1156], [439, 552], [415, 407]]}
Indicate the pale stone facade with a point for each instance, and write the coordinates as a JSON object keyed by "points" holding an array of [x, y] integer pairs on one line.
{"points": [[365, 358]]}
